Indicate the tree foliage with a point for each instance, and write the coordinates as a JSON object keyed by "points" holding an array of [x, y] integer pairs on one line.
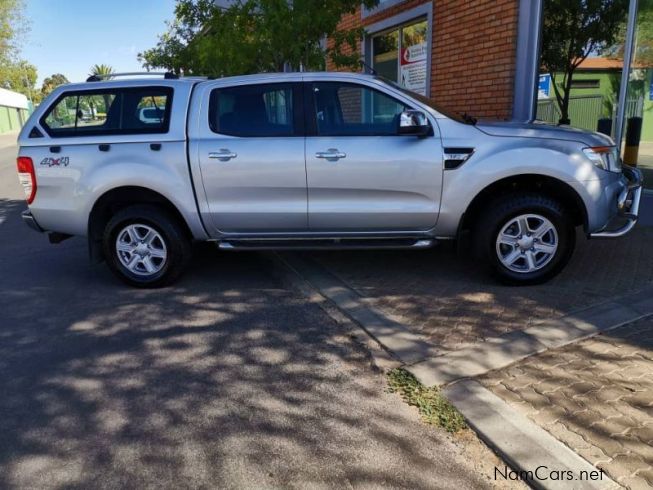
{"points": [[255, 36], [52, 82], [643, 53], [15, 73], [105, 70], [572, 30]]}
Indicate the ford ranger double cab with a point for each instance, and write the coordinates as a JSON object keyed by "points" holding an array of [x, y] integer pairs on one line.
{"points": [[145, 166]]}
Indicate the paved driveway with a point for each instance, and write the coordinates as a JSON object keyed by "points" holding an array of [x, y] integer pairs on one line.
{"points": [[226, 380]]}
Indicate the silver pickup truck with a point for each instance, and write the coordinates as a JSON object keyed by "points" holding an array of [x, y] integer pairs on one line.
{"points": [[144, 167]]}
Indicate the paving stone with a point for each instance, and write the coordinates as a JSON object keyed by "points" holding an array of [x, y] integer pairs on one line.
{"points": [[636, 483], [625, 466], [452, 301], [647, 475], [603, 406]]}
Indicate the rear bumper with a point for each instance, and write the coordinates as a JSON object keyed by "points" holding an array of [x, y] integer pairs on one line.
{"points": [[30, 221], [627, 207]]}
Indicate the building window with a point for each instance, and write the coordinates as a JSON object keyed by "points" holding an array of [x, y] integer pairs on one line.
{"points": [[587, 83], [401, 55]]}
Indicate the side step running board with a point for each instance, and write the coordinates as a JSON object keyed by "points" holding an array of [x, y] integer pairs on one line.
{"points": [[327, 244]]}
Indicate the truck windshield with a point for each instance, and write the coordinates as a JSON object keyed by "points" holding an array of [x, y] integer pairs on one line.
{"points": [[462, 118]]}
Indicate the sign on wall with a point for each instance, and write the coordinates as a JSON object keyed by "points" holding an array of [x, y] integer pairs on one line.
{"points": [[413, 68], [544, 88]]}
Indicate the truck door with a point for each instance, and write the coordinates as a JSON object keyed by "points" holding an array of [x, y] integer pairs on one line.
{"points": [[248, 146], [363, 175]]}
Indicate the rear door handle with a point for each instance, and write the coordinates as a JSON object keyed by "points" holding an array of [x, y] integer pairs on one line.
{"points": [[55, 149], [104, 147], [330, 154], [224, 155]]}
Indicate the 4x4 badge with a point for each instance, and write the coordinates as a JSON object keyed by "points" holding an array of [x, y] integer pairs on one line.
{"points": [[55, 162]]}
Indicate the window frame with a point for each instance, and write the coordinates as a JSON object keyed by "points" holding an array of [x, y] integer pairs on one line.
{"points": [[402, 18], [73, 133], [311, 116], [298, 120]]}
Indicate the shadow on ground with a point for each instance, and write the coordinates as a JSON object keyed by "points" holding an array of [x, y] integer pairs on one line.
{"points": [[453, 301], [226, 379]]}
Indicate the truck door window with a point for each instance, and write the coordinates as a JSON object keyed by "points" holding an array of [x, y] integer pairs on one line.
{"points": [[253, 111], [345, 109], [110, 112]]}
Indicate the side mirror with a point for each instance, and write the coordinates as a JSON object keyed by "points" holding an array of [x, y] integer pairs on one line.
{"points": [[414, 123]]}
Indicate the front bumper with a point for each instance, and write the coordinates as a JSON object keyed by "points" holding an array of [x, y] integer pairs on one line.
{"points": [[627, 206], [29, 220]]}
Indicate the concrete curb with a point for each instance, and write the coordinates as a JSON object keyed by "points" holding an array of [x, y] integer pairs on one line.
{"points": [[520, 442], [432, 367], [280, 268], [392, 335], [499, 352]]}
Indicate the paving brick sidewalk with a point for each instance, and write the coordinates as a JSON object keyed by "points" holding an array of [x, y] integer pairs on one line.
{"points": [[596, 396], [452, 302]]}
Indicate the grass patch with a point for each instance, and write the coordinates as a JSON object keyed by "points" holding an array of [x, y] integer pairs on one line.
{"points": [[433, 407]]}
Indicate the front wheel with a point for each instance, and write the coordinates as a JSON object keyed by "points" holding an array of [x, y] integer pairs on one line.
{"points": [[145, 246], [526, 238]]}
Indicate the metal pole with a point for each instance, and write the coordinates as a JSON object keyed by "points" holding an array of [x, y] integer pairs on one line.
{"points": [[625, 74], [527, 69]]}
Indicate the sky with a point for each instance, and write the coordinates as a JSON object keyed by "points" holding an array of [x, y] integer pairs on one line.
{"points": [[70, 36]]}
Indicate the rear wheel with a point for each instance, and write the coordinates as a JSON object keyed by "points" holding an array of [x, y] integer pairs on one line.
{"points": [[526, 238], [145, 246]]}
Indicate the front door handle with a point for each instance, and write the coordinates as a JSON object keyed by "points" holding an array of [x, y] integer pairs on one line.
{"points": [[330, 154], [224, 155]]}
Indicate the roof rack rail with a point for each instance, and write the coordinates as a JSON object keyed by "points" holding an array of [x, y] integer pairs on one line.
{"points": [[166, 75]]}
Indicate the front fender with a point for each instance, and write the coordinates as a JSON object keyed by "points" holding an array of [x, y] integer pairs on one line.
{"points": [[501, 158]]}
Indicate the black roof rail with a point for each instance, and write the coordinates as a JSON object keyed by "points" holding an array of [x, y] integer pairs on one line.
{"points": [[166, 75]]}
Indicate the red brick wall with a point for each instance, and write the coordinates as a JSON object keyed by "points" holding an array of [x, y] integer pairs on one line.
{"points": [[473, 53]]}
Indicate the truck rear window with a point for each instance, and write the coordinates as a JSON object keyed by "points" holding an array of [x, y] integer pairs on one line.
{"points": [[138, 110]]}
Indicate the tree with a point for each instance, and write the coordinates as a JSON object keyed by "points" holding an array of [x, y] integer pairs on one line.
{"points": [[52, 82], [20, 76], [643, 52], [572, 30], [255, 36], [12, 28], [104, 70], [15, 74]]}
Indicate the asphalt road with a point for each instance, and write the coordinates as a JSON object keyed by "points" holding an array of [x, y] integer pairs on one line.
{"points": [[226, 380]]}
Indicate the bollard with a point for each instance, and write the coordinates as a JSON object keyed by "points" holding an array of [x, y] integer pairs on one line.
{"points": [[604, 126], [633, 135]]}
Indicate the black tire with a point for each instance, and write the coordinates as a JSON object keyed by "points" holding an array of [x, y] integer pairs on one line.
{"points": [[500, 213], [176, 245]]}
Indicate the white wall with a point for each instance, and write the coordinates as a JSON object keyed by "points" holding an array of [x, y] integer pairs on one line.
{"points": [[12, 99]]}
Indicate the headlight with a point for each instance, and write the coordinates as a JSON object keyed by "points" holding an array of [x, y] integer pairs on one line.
{"points": [[605, 157]]}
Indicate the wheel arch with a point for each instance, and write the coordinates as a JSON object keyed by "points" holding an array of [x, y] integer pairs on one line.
{"points": [[551, 186], [119, 198]]}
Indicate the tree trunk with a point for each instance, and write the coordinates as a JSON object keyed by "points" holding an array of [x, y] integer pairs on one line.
{"points": [[564, 107]]}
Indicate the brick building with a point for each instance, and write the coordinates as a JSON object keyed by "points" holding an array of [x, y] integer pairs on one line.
{"points": [[475, 56]]}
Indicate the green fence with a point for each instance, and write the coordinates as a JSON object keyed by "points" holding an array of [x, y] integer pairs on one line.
{"points": [[12, 119]]}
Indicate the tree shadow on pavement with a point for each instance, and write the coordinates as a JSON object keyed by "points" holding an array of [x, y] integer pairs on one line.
{"points": [[452, 300], [224, 380]]}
